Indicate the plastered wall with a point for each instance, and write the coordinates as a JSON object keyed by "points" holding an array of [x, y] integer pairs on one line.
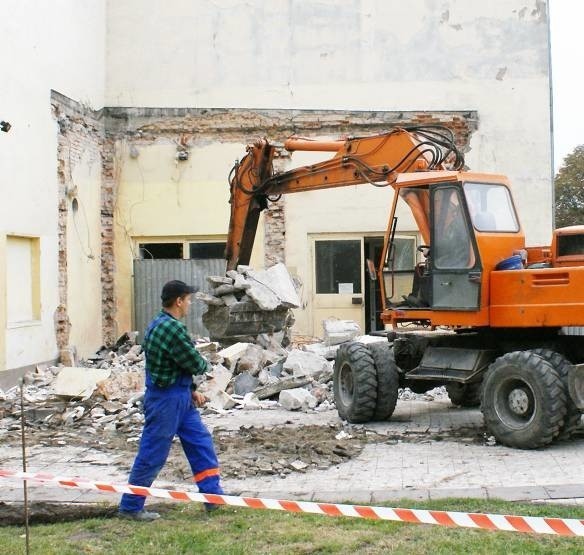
{"points": [[45, 46]]}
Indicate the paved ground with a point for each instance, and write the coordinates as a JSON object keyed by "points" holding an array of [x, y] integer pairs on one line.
{"points": [[428, 450]]}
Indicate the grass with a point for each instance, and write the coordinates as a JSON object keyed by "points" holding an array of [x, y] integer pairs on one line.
{"points": [[187, 529]]}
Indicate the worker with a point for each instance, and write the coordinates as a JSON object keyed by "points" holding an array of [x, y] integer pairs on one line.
{"points": [[170, 403]]}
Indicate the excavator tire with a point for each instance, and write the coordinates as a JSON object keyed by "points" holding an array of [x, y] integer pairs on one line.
{"points": [[523, 400], [573, 415], [387, 380], [464, 395], [355, 383]]}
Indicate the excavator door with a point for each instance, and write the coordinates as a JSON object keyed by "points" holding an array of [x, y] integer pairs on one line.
{"points": [[454, 260]]}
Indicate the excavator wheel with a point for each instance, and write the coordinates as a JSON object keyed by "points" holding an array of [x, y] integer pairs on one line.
{"points": [[523, 400], [464, 395], [355, 383], [573, 415], [387, 380]]}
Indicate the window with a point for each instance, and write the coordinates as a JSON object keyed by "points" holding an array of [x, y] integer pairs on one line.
{"points": [[204, 251], [23, 279], [338, 267], [404, 255], [451, 238], [161, 250], [491, 207]]}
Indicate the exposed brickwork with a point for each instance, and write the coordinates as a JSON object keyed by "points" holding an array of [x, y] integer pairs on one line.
{"points": [[110, 179], [80, 132]]}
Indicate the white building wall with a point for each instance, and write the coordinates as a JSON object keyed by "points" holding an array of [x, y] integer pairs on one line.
{"points": [[421, 55], [56, 45]]}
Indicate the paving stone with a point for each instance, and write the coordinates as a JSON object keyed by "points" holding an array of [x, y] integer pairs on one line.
{"points": [[565, 491], [514, 493], [465, 493], [383, 496]]}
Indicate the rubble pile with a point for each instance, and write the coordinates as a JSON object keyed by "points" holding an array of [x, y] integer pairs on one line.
{"points": [[246, 303], [103, 396]]}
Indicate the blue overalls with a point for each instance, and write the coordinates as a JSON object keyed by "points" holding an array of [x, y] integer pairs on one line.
{"points": [[169, 411]]}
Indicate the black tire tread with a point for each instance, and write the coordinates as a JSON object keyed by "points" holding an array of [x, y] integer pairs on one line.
{"points": [[362, 408], [387, 380], [554, 409], [573, 415], [469, 395]]}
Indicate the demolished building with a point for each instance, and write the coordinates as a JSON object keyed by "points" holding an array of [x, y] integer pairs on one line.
{"points": [[121, 145]]}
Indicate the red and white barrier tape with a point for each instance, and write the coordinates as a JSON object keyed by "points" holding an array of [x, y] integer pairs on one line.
{"points": [[510, 523]]}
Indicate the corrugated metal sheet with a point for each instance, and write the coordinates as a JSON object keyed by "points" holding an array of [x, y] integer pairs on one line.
{"points": [[151, 275]]}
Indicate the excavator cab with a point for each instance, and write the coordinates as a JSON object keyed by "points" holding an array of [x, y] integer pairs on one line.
{"points": [[466, 227]]}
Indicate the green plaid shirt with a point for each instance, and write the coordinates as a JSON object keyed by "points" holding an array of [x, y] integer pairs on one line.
{"points": [[169, 351]]}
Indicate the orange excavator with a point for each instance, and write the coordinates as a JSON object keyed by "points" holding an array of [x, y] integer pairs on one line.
{"points": [[496, 321]]}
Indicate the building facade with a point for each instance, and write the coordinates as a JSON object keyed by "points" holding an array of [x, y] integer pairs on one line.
{"points": [[135, 144]]}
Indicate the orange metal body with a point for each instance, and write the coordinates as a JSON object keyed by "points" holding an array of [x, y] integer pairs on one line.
{"points": [[524, 298]]}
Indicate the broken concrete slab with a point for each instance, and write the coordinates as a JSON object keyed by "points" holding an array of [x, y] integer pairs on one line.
{"points": [[304, 363], [263, 296], [272, 389], [275, 282], [251, 360], [121, 386], [326, 351], [209, 299], [339, 331], [240, 283], [296, 399], [214, 387], [233, 353], [219, 280], [223, 289], [229, 300], [245, 383], [79, 382]]}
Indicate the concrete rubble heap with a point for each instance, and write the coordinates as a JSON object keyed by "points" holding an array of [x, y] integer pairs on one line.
{"points": [[105, 395], [246, 303]]}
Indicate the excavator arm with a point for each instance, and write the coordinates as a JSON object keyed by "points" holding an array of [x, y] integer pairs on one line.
{"points": [[376, 160]]}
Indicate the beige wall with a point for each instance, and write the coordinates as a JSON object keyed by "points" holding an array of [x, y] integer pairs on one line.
{"points": [[161, 199], [83, 256], [45, 45]]}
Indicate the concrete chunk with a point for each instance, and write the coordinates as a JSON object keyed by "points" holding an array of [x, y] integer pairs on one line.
{"points": [[209, 299], [339, 331], [229, 300], [326, 351], [287, 383], [295, 399], [251, 360], [214, 388], [79, 382], [304, 363], [233, 353], [219, 280], [223, 289], [278, 282], [244, 383]]}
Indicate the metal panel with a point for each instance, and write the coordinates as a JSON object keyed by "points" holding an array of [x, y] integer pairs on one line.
{"points": [[151, 275]]}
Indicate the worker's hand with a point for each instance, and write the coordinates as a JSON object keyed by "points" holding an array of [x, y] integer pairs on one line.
{"points": [[198, 398]]}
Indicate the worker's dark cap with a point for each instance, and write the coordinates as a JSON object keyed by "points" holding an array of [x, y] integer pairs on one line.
{"points": [[175, 289]]}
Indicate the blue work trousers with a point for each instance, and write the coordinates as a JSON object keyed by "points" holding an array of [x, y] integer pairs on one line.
{"points": [[168, 412]]}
